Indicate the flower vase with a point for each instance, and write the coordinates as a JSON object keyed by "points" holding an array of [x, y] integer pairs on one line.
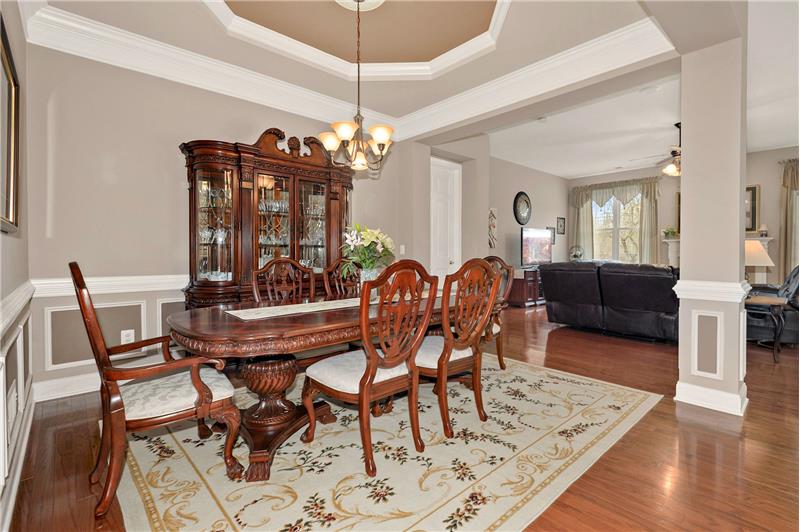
{"points": [[370, 274]]}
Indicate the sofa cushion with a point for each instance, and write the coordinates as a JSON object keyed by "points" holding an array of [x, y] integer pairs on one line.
{"points": [[572, 293]]}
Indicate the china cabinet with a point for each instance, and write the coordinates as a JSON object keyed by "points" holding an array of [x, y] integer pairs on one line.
{"points": [[250, 203]]}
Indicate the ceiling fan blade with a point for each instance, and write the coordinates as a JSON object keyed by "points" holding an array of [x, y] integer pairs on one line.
{"points": [[648, 157]]}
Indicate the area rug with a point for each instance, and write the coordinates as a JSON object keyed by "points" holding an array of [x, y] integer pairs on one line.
{"points": [[545, 429]]}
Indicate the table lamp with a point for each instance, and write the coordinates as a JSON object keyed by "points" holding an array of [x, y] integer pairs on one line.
{"points": [[755, 255]]}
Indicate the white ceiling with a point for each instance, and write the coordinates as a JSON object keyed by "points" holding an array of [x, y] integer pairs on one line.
{"points": [[634, 129]]}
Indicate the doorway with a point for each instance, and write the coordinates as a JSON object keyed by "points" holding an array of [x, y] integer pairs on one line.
{"points": [[445, 217]]}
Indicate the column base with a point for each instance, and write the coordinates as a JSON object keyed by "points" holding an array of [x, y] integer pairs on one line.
{"points": [[729, 403]]}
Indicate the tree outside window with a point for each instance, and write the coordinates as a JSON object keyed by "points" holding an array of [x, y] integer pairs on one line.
{"points": [[616, 230]]}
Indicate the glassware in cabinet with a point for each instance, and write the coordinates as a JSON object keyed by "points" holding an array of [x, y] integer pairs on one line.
{"points": [[214, 224], [274, 225], [312, 224]]}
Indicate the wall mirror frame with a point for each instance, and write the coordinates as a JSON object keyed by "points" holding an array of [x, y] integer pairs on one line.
{"points": [[9, 167], [752, 208]]}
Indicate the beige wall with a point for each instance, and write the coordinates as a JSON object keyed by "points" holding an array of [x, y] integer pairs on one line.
{"points": [[763, 169], [667, 200], [14, 246], [548, 195], [107, 181]]}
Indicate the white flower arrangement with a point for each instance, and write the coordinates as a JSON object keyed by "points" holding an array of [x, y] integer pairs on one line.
{"points": [[367, 248]]}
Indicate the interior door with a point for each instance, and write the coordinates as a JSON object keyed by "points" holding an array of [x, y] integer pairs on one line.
{"points": [[445, 217]]}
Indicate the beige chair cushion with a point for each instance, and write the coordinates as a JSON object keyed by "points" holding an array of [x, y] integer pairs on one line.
{"points": [[343, 372], [160, 396], [495, 328], [431, 349]]}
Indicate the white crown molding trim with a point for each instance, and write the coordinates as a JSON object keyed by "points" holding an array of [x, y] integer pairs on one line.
{"points": [[11, 306], [631, 44], [66, 32], [273, 41], [726, 292], [727, 402], [62, 286]]}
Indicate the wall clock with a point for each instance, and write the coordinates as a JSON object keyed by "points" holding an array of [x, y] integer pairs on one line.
{"points": [[522, 208]]}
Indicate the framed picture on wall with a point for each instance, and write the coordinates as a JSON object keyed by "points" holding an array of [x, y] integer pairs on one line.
{"points": [[552, 235], [752, 207], [561, 225], [9, 138]]}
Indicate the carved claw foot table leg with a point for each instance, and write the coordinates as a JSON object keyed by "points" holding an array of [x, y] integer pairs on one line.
{"points": [[269, 422]]}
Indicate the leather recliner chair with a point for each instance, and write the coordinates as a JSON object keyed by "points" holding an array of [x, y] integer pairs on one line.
{"points": [[760, 326], [572, 292]]}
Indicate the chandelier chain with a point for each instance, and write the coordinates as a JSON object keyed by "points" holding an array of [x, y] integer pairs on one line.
{"points": [[358, 56]]}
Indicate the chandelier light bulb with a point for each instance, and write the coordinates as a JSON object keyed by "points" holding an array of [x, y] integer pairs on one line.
{"points": [[345, 130], [330, 140], [360, 161], [381, 133]]}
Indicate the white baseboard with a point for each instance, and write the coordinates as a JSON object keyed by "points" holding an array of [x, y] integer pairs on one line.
{"points": [[729, 403], [9, 495]]}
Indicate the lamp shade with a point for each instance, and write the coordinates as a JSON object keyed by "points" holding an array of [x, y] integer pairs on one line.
{"points": [[381, 133], [329, 140], [755, 254], [345, 130]]}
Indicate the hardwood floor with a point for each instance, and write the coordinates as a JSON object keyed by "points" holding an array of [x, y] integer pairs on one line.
{"points": [[681, 467]]}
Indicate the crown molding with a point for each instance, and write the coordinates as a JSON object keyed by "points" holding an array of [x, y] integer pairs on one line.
{"points": [[631, 44], [63, 31], [256, 34], [62, 286], [69, 33]]}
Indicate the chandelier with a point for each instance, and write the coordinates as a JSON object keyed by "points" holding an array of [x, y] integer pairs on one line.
{"points": [[673, 166], [347, 144]]}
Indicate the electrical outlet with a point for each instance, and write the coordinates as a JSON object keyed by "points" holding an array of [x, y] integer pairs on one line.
{"points": [[402, 249], [127, 336]]}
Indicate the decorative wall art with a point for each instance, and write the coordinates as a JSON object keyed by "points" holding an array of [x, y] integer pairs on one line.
{"points": [[752, 207], [492, 228], [561, 225], [552, 234], [9, 143]]}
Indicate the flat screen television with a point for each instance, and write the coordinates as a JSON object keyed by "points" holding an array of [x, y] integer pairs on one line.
{"points": [[536, 246]]}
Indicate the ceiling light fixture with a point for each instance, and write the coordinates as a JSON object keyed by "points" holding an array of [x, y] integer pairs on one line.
{"points": [[347, 143], [673, 167]]}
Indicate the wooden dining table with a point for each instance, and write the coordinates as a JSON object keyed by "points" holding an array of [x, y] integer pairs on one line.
{"points": [[213, 332]]}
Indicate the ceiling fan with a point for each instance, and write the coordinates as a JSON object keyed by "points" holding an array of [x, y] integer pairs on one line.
{"points": [[671, 166]]}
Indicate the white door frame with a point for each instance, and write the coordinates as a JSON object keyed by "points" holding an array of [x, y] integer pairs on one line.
{"points": [[455, 169]]}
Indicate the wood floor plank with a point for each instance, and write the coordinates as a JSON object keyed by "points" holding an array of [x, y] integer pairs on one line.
{"points": [[680, 468]]}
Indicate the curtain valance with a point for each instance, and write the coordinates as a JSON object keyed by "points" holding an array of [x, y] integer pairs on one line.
{"points": [[624, 191]]}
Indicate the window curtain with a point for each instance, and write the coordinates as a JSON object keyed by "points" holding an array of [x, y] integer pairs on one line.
{"points": [[789, 213], [582, 219]]}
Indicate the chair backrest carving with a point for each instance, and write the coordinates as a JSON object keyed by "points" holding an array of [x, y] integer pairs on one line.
{"points": [[394, 328], [506, 273], [339, 284], [471, 293], [96, 340], [283, 280]]}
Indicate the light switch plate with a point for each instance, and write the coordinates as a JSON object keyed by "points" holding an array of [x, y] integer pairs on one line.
{"points": [[127, 336], [402, 249]]}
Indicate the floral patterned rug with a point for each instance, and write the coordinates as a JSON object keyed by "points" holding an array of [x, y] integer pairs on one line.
{"points": [[545, 429]]}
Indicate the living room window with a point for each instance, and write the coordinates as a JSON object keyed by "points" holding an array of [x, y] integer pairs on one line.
{"points": [[616, 229]]}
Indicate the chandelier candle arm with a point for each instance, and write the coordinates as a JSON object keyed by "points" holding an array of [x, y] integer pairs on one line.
{"points": [[347, 143]]}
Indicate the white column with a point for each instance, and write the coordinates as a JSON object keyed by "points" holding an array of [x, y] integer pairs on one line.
{"points": [[712, 342]]}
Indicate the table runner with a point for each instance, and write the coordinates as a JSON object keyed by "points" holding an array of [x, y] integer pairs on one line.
{"points": [[259, 313]]}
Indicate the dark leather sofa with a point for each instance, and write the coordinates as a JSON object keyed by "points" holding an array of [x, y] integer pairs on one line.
{"points": [[629, 299]]}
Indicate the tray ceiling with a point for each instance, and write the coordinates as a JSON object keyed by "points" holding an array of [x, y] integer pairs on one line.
{"points": [[395, 32]]}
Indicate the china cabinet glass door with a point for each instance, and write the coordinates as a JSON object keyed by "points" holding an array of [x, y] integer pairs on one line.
{"points": [[312, 229], [215, 221], [273, 197]]}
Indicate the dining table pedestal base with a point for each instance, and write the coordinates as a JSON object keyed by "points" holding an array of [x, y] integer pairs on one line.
{"points": [[274, 418]]}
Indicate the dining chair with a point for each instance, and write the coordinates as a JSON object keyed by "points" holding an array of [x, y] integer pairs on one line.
{"points": [[157, 395], [494, 329], [339, 284], [399, 320], [457, 350], [284, 280]]}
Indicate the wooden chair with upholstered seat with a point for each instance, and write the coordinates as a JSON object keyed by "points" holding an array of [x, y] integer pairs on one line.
{"points": [[159, 394], [399, 320], [494, 329], [465, 312], [339, 284], [283, 280]]}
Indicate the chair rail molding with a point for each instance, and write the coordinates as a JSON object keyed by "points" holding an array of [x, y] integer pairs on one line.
{"points": [[62, 286], [66, 32], [253, 33], [11, 306], [726, 292]]}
